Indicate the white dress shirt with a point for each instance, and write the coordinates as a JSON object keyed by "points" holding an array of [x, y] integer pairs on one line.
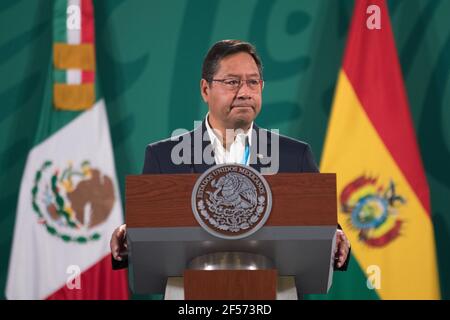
{"points": [[236, 152]]}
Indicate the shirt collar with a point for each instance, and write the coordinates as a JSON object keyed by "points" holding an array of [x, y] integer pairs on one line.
{"points": [[215, 139]]}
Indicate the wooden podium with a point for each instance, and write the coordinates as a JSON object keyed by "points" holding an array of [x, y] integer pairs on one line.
{"points": [[164, 236]]}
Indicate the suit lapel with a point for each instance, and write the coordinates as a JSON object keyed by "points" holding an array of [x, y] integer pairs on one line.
{"points": [[255, 152], [201, 132]]}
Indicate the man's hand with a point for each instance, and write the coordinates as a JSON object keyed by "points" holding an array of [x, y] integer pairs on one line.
{"points": [[118, 242], [342, 248]]}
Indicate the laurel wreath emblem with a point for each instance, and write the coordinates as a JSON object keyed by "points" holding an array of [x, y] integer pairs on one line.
{"points": [[63, 209]]}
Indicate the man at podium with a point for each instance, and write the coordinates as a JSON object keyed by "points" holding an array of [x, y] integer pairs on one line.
{"points": [[231, 86]]}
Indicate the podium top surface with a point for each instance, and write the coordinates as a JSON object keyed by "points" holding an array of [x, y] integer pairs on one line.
{"points": [[164, 200]]}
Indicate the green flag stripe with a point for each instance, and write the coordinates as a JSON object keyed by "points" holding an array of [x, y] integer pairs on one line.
{"points": [[59, 21], [59, 76]]}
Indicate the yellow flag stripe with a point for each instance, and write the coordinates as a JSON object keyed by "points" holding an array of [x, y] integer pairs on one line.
{"points": [[69, 56], [72, 97], [352, 149]]}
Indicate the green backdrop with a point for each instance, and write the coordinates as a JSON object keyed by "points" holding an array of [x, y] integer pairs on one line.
{"points": [[149, 56]]}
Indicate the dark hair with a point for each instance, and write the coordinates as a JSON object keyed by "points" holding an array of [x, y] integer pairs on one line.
{"points": [[225, 48]]}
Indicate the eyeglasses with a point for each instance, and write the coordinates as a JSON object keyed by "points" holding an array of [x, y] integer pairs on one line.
{"points": [[234, 84]]}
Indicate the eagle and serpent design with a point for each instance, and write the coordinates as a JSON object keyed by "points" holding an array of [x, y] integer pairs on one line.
{"points": [[232, 202]]}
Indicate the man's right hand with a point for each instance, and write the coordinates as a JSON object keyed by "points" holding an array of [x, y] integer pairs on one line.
{"points": [[118, 242]]}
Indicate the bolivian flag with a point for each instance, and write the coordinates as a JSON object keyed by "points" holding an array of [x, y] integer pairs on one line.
{"points": [[384, 204]]}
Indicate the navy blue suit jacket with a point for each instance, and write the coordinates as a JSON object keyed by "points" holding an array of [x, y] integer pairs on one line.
{"points": [[294, 156]]}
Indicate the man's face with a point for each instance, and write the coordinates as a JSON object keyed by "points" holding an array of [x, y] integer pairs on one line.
{"points": [[233, 108]]}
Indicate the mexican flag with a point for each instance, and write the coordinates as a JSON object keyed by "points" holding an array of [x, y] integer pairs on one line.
{"points": [[384, 203], [69, 201]]}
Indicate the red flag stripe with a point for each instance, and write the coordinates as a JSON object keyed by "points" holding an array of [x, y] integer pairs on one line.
{"points": [[88, 76], [87, 34], [376, 77], [99, 282], [87, 22]]}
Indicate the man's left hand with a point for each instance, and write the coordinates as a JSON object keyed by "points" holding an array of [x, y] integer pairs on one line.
{"points": [[342, 248]]}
